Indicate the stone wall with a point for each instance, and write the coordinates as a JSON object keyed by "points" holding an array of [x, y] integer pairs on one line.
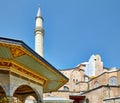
{"points": [[82, 86], [97, 95], [112, 100], [62, 94], [102, 80], [118, 77]]}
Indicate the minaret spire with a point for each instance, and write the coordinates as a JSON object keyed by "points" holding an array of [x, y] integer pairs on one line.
{"points": [[39, 34], [39, 12]]}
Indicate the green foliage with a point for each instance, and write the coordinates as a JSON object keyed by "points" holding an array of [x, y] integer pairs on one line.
{"points": [[4, 100]]}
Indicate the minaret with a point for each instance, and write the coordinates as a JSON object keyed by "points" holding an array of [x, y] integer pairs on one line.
{"points": [[39, 34]]}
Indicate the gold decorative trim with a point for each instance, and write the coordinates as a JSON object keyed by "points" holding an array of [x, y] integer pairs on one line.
{"points": [[31, 55], [24, 72], [19, 50], [16, 52], [5, 64]]}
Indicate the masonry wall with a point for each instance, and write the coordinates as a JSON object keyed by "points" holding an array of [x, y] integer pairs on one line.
{"points": [[82, 86], [67, 73], [97, 95], [112, 100], [63, 94], [103, 79], [118, 77]]}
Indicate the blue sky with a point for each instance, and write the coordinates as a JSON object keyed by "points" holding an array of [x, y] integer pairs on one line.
{"points": [[74, 29]]}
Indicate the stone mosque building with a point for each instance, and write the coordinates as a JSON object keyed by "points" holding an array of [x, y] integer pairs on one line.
{"points": [[90, 82], [24, 73]]}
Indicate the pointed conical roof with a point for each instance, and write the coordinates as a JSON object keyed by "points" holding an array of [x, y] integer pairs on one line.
{"points": [[39, 12]]}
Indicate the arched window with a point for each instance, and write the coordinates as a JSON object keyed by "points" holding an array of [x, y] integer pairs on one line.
{"points": [[87, 100], [113, 81], [73, 80], [86, 79], [96, 84], [66, 88]]}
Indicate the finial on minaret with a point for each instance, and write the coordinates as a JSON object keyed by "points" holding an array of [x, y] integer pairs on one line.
{"points": [[39, 34], [39, 12]]}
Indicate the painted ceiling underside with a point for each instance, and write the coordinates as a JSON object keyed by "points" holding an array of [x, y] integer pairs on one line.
{"points": [[18, 52]]}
